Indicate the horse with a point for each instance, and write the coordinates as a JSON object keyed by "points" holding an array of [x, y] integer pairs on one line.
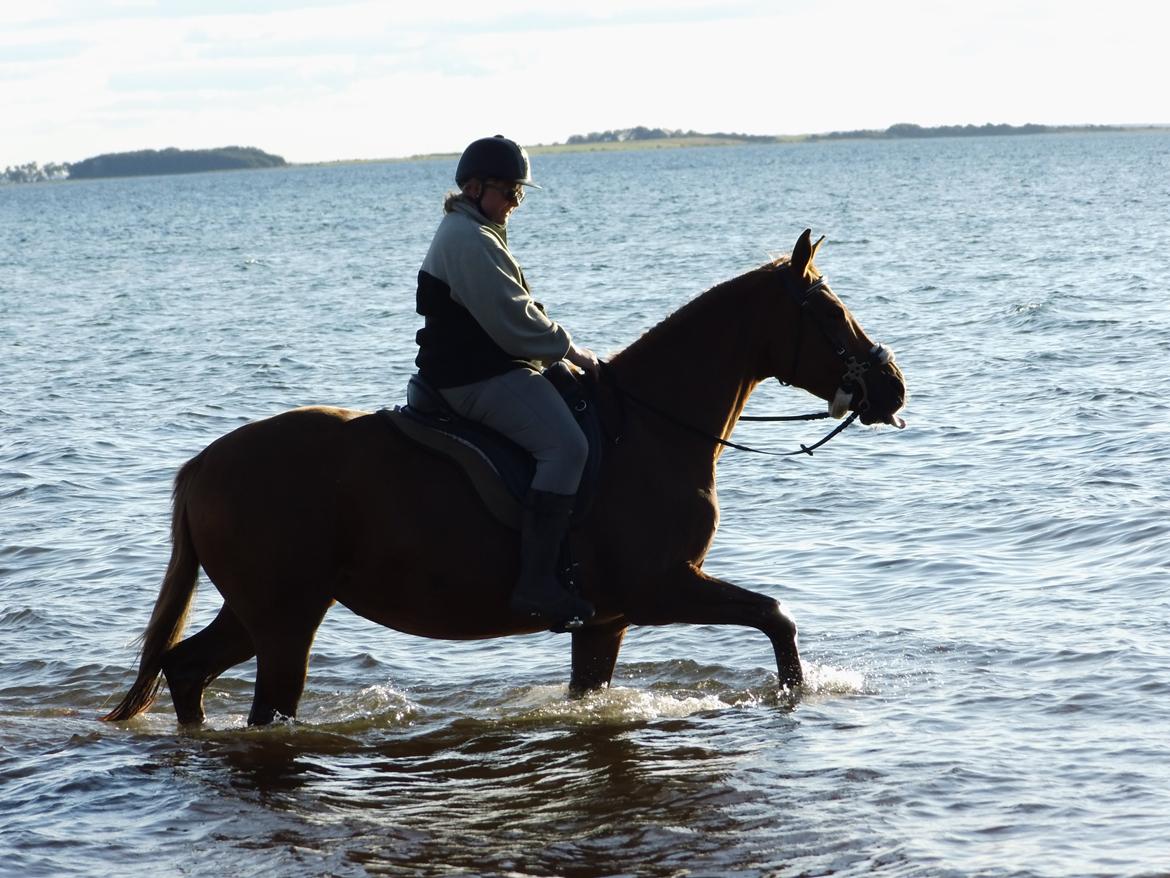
{"points": [[319, 504]]}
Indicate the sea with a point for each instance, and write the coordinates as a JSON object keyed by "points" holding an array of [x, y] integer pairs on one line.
{"points": [[983, 597]]}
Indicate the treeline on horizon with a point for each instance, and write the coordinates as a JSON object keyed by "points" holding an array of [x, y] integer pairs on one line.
{"points": [[623, 135], [901, 130], [146, 162], [907, 129]]}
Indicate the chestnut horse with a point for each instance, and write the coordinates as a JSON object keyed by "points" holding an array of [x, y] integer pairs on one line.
{"points": [[316, 505]]}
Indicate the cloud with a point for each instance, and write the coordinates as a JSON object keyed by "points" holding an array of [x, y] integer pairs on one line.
{"points": [[320, 80]]}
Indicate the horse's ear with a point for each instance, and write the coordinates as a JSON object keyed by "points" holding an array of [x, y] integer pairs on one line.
{"points": [[802, 253], [805, 251]]}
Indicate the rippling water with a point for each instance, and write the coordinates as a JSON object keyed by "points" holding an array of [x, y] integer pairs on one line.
{"points": [[983, 597]]}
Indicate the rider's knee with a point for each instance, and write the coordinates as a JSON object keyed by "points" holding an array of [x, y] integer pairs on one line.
{"points": [[576, 449]]}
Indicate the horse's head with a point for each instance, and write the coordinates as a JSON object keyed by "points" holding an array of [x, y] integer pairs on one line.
{"points": [[821, 347]]}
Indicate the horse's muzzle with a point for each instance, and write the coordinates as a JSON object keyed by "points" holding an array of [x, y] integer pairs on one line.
{"points": [[885, 396]]}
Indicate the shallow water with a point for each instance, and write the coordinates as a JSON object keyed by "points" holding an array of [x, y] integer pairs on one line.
{"points": [[982, 597]]}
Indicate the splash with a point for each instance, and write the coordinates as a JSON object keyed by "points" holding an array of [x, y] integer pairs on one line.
{"points": [[666, 700], [614, 705], [385, 707], [377, 706], [826, 680]]}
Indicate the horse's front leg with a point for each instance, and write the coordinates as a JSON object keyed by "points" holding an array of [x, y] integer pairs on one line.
{"points": [[595, 652], [688, 595]]}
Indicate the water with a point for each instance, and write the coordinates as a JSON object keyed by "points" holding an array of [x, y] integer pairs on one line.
{"points": [[982, 597]]}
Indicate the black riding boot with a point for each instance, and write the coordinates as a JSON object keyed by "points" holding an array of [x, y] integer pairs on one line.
{"points": [[543, 525]]}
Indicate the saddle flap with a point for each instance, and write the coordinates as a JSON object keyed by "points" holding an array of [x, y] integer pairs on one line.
{"points": [[500, 470], [488, 481]]}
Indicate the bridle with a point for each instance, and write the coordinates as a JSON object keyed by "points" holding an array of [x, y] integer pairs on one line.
{"points": [[853, 382], [853, 379]]}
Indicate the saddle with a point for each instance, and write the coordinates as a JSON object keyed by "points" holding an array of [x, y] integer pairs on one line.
{"points": [[500, 470]]}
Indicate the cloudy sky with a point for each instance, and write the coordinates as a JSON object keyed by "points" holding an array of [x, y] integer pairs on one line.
{"points": [[336, 79]]}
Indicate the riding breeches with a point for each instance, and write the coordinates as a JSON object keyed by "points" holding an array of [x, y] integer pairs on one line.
{"points": [[524, 406]]}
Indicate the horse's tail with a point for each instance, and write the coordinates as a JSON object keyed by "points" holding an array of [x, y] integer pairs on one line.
{"points": [[170, 608]]}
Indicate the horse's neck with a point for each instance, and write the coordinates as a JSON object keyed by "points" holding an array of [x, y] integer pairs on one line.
{"points": [[701, 364]]}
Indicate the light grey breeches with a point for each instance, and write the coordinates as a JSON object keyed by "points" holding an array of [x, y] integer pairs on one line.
{"points": [[525, 407]]}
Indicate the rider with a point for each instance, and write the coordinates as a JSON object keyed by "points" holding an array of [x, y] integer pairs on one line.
{"points": [[483, 344]]}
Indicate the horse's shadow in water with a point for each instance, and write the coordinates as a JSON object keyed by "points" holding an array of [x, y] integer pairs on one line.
{"points": [[317, 505], [473, 777]]}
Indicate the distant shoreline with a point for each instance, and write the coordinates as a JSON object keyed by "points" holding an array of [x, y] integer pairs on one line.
{"points": [[543, 149], [146, 163], [682, 141], [173, 161]]}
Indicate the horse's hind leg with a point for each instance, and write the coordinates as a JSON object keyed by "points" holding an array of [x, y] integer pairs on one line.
{"points": [[595, 652], [282, 663], [191, 665]]}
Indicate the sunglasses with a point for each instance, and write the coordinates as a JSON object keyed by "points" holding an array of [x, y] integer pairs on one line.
{"points": [[512, 193]]}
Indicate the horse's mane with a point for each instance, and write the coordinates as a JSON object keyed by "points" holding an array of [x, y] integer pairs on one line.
{"points": [[692, 313]]}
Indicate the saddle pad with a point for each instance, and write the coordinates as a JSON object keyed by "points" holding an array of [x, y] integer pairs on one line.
{"points": [[486, 479]]}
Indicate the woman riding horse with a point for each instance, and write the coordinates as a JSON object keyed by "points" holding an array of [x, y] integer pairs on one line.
{"points": [[483, 345], [289, 514]]}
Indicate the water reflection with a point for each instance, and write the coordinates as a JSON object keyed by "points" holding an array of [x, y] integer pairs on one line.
{"points": [[484, 796]]}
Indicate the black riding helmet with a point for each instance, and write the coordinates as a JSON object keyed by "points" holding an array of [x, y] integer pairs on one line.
{"points": [[496, 158]]}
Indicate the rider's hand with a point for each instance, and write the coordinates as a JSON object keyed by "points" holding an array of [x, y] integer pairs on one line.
{"points": [[584, 359]]}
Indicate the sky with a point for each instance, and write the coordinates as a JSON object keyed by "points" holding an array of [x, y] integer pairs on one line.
{"points": [[322, 80]]}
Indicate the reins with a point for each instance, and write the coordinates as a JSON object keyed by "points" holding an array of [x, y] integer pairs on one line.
{"points": [[608, 377], [853, 385]]}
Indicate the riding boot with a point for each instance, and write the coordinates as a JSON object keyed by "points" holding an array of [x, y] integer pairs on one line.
{"points": [[543, 526]]}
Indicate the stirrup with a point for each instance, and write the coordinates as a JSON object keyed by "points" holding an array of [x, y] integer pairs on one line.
{"points": [[558, 622], [568, 627]]}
